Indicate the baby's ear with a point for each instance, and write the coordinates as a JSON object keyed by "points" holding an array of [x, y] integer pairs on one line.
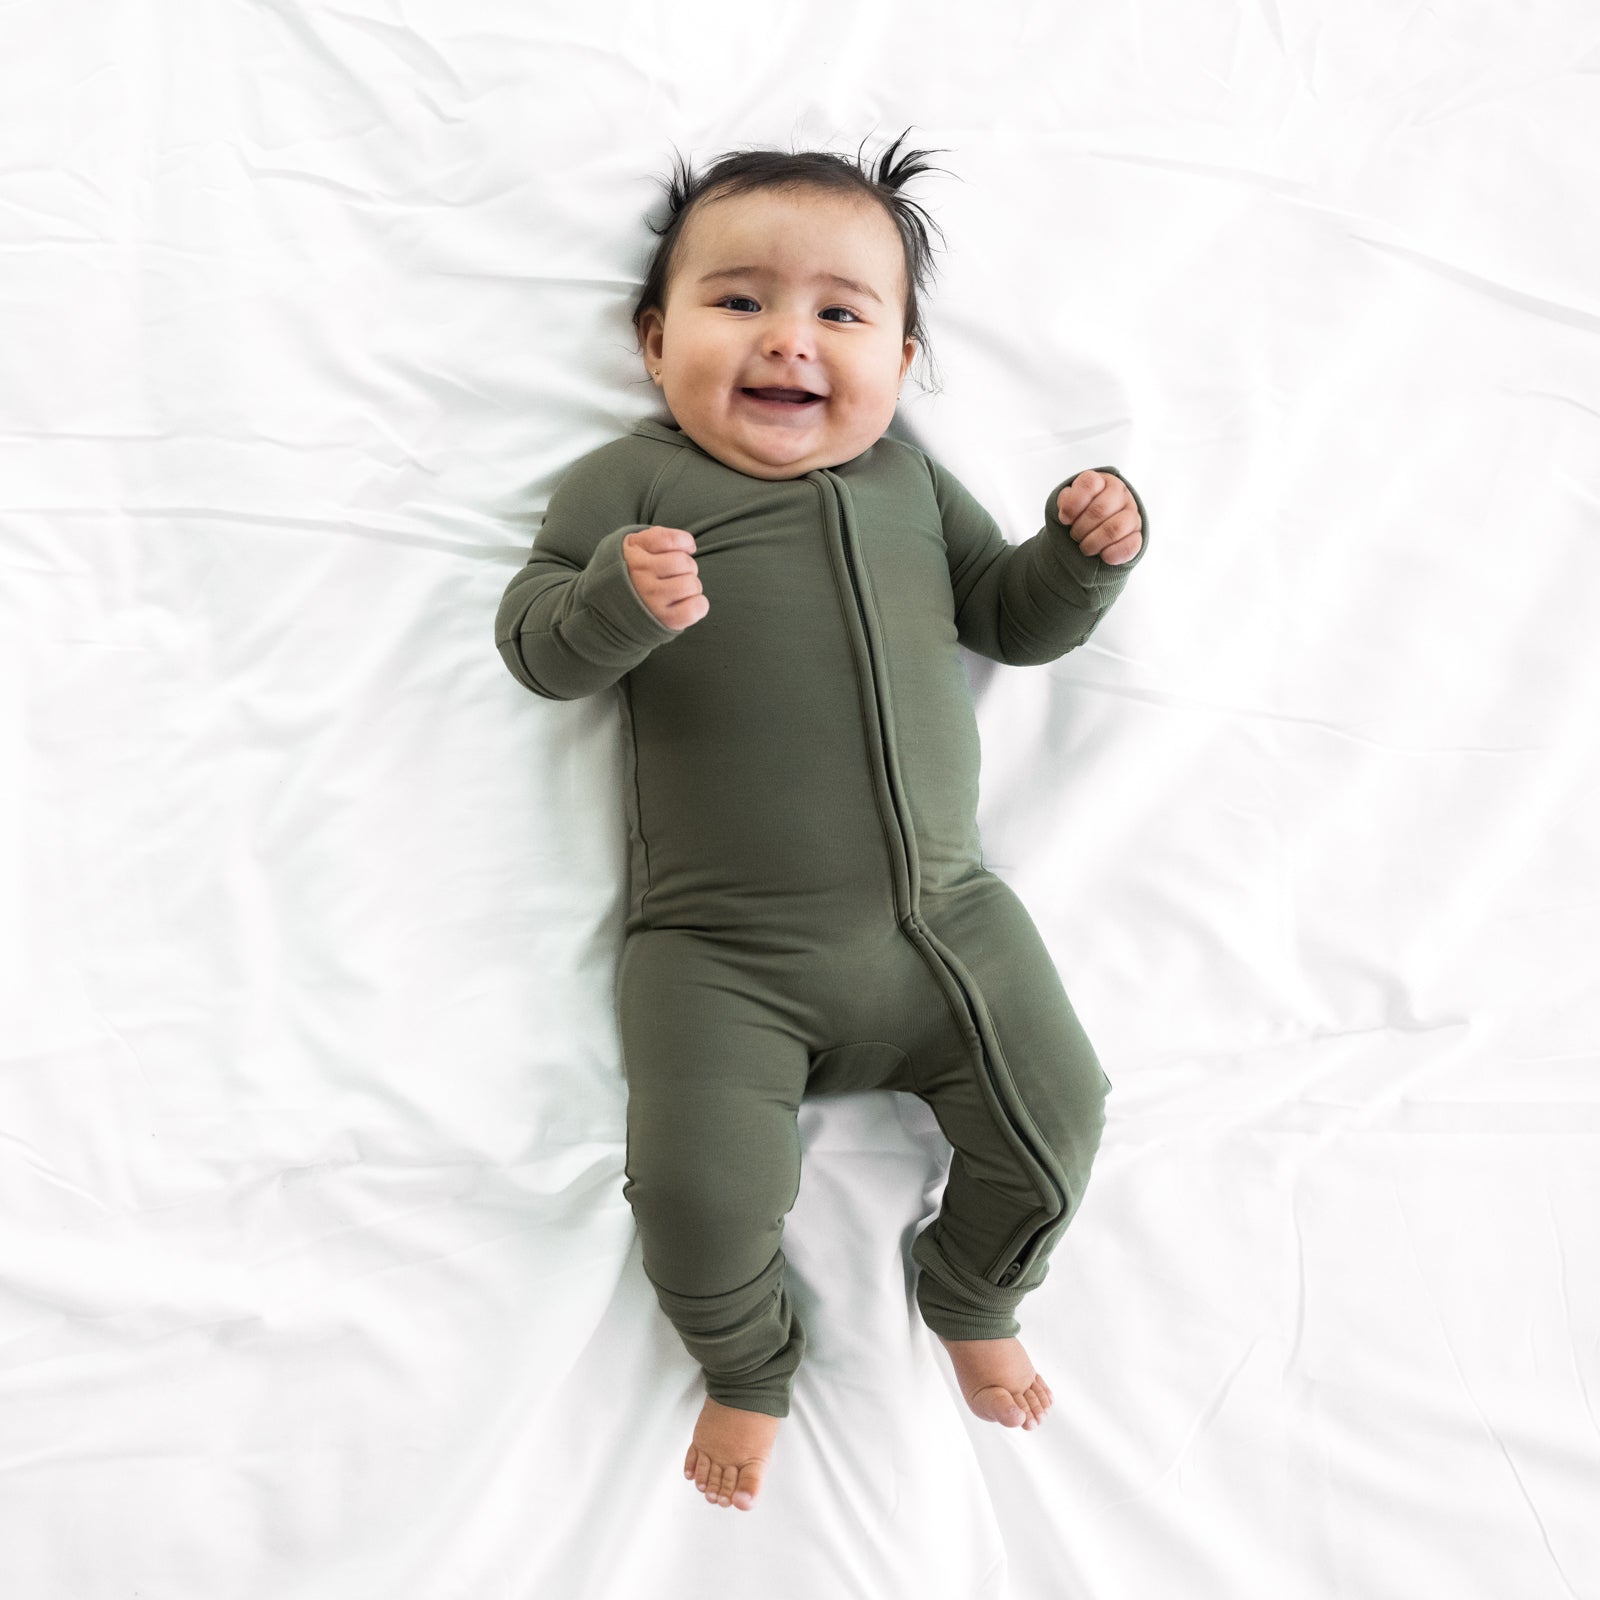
{"points": [[907, 355], [651, 327]]}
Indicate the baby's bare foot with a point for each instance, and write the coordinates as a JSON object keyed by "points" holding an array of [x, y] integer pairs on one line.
{"points": [[998, 1381], [730, 1452]]}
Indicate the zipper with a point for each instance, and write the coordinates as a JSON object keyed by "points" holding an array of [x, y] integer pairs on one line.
{"points": [[1010, 1264]]}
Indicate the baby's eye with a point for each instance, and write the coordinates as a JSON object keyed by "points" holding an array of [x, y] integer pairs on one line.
{"points": [[839, 314], [738, 302]]}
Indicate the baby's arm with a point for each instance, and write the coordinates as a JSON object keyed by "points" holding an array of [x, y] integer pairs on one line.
{"points": [[1030, 603], [572, 621]]}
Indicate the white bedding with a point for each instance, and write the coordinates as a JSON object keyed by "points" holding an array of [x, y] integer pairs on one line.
{"points": [[316, 1278]]}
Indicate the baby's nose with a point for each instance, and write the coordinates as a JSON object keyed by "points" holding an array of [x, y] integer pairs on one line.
{"points": [[790, 337]]}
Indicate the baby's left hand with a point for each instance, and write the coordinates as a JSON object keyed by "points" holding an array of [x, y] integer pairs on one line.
{"points": [[1101, 517]]}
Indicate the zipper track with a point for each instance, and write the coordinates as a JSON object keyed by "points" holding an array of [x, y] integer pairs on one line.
{"points": [[897, 829]]}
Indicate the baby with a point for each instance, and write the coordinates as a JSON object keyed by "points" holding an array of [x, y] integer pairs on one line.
{"points": [[778, 592]]}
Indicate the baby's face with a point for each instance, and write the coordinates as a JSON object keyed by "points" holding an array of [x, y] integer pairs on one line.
{"points": [[781, 345]]}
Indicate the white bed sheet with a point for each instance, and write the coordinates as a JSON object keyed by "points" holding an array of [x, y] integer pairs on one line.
{"points": [[316, 1279]]}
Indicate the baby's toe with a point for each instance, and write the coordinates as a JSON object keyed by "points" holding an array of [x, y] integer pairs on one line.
{"points": [[749, 1485]]}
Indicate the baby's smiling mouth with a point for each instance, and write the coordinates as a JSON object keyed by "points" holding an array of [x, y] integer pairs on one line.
{"points": [[788, 397]]}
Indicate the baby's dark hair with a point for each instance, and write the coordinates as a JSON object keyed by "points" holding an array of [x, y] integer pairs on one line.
{"points": [[744, 171]]}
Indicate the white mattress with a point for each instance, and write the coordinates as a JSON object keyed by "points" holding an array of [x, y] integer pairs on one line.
{"points": [[316, 1278]]}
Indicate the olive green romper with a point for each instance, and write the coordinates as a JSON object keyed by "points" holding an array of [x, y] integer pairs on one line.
{"points": [[808, 910]]}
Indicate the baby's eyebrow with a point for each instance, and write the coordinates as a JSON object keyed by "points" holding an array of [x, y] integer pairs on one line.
{"points": [[862, 289]]}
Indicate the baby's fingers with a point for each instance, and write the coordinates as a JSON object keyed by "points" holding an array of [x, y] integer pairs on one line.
{"points": [[674, 564], [660, 540], [681, 614], [677, 602], [1109, 533], [1122, 550], [655, 553], [1072, 500], [665, 575]]}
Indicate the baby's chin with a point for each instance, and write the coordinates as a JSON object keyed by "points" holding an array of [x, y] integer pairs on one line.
{"points": [[774, 468]]}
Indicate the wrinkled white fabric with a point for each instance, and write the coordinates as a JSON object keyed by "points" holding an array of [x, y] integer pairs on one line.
{"points": [[316, 1279]]}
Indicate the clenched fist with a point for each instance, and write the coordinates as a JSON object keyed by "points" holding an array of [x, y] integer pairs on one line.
{"points": [[662, 566], [1101, 517]]}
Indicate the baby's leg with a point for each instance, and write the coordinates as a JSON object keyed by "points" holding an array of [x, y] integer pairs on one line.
{"points": [[713, 1168], [1020, 1095]]}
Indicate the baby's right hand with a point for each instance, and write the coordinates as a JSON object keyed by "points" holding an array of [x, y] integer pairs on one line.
{"points": [[663, 571]]}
